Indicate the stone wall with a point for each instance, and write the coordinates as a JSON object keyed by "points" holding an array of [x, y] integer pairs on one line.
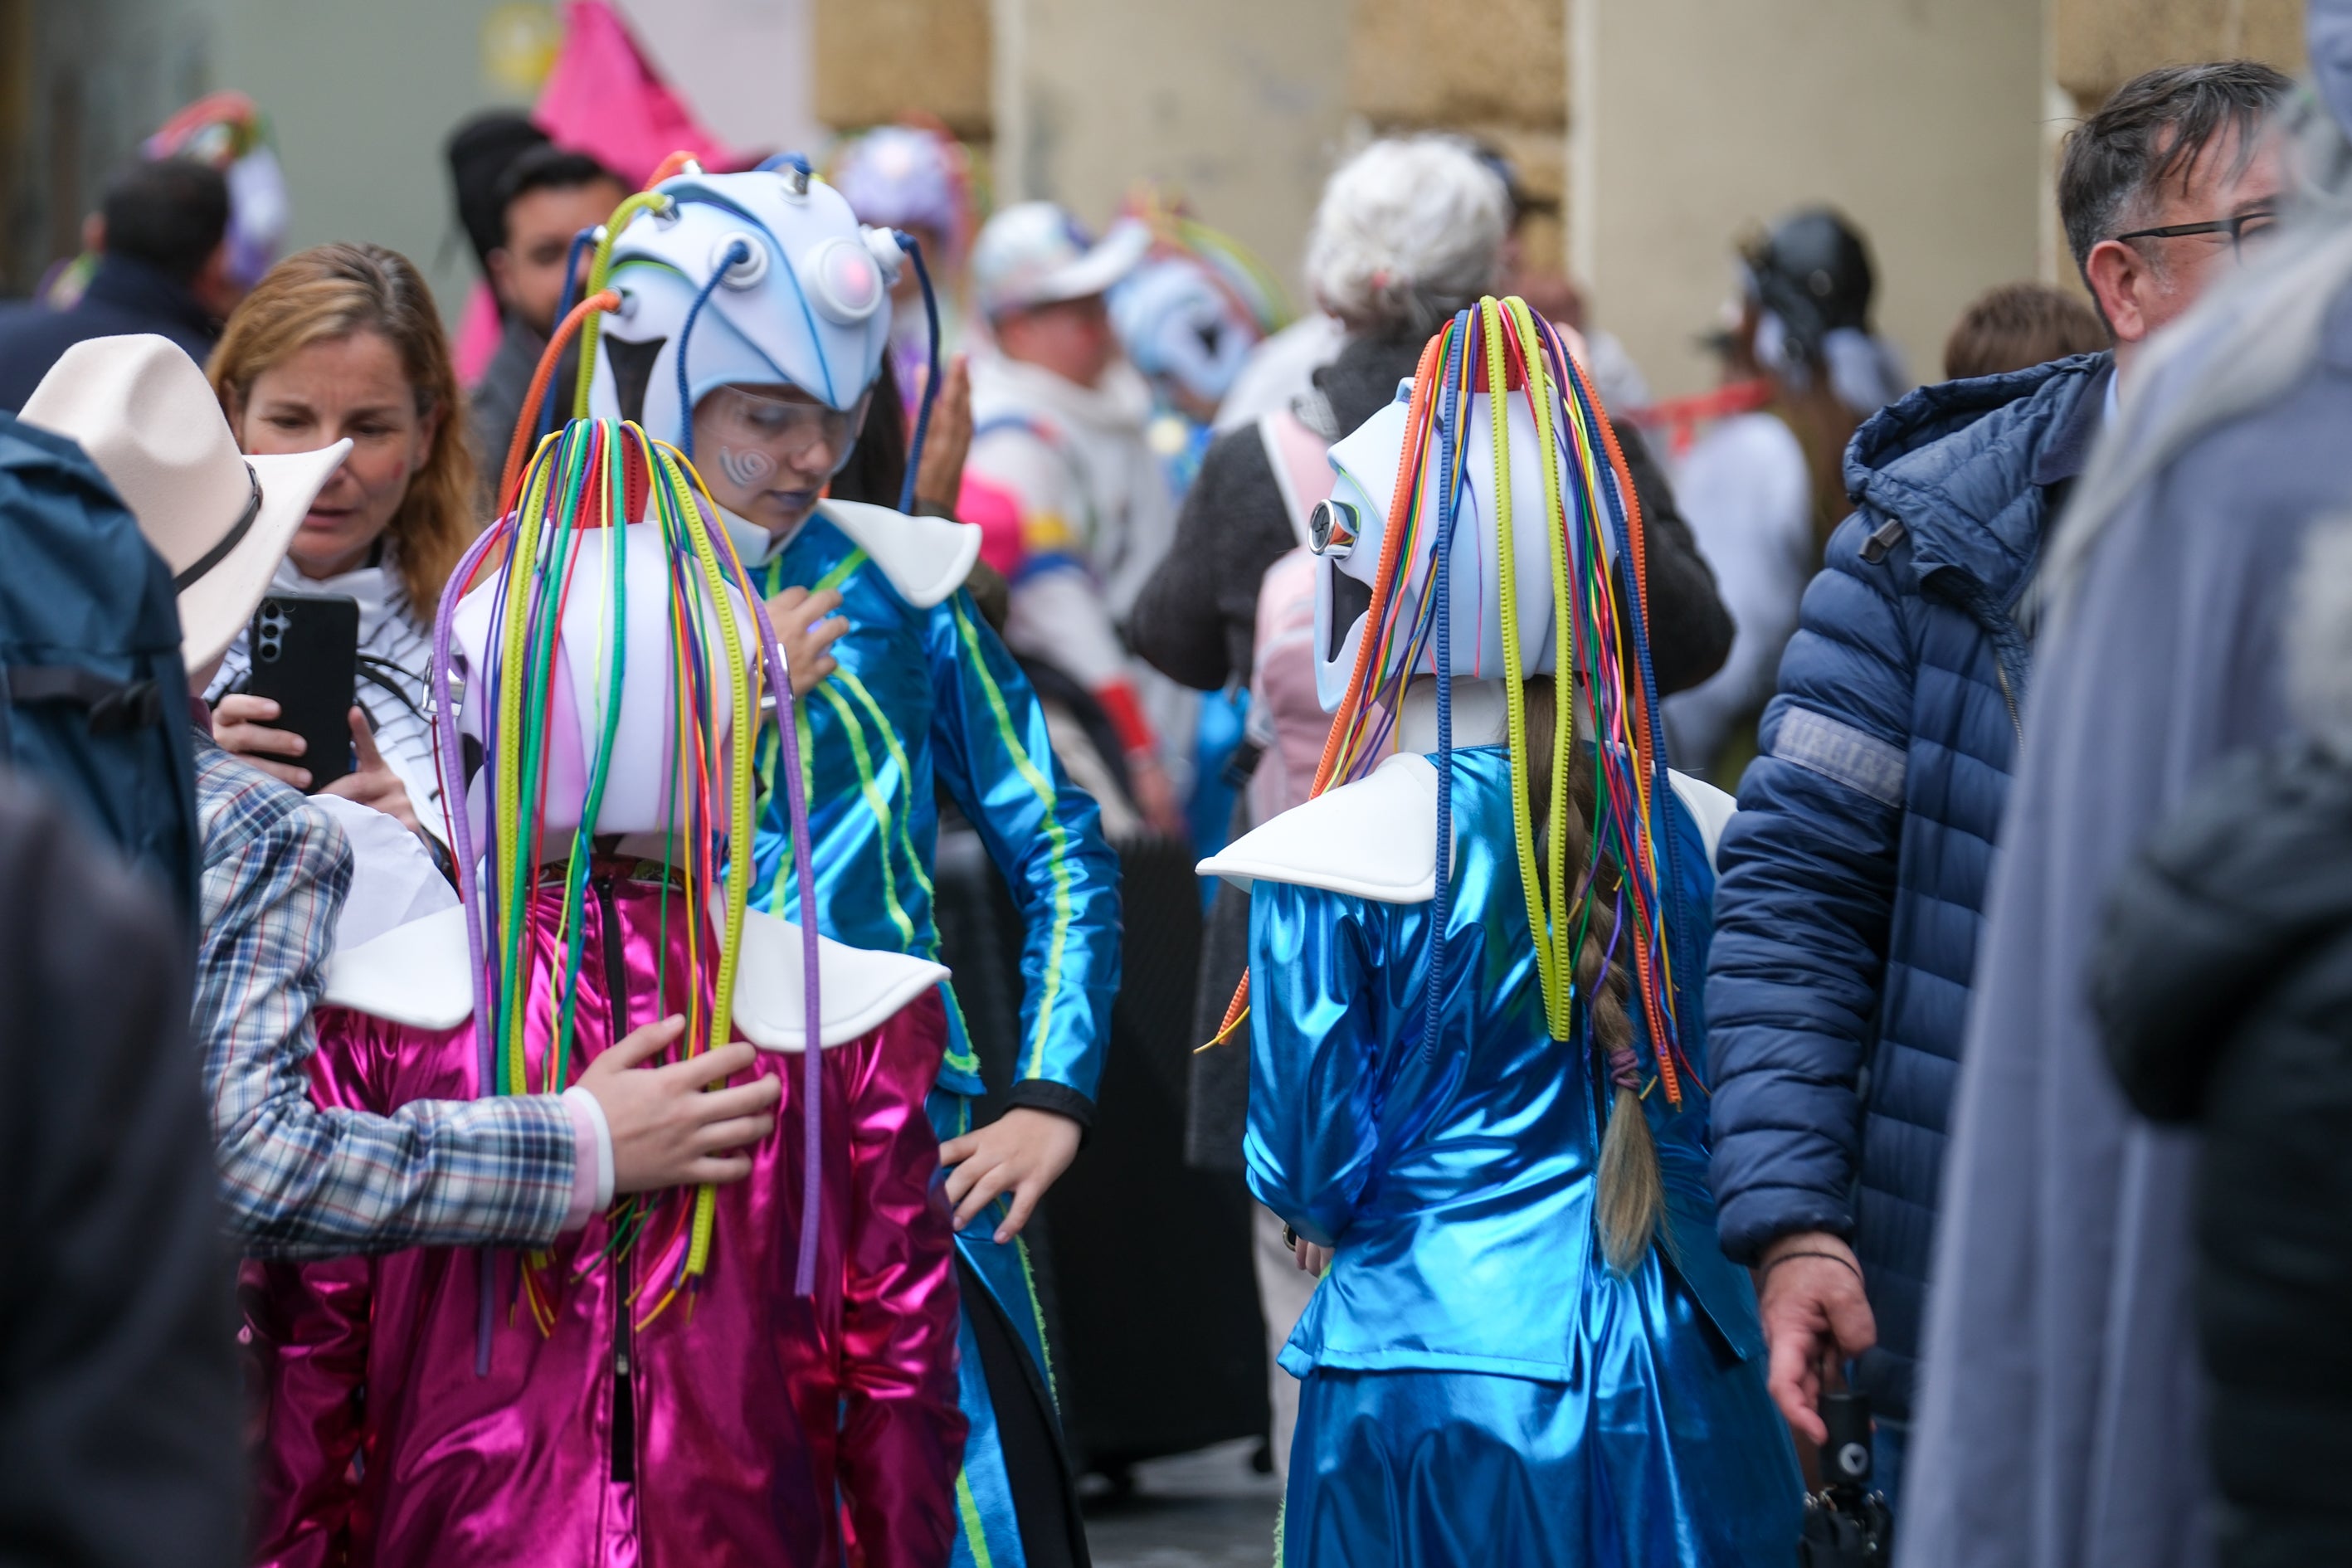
{"points": [[876, 59], [1494, 69], [2096, 46], [1920, 118]]}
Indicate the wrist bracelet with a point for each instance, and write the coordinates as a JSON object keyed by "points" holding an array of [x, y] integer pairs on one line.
{"points": [[1843, 1263]]}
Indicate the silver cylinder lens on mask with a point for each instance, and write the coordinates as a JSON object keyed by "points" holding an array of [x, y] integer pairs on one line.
{"points": [[1333, 528]]}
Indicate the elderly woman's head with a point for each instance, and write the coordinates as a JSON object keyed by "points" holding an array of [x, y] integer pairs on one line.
{"points": [[1408, 232]]}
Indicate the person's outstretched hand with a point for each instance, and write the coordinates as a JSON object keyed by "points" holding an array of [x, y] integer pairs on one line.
{"points": [[1814, 1313], [667, 1131], [948, 440], [799, 617], [1023, 1152]]}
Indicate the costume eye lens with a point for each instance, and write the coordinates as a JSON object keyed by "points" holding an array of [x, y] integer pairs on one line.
{"points": [[1333, 527]]}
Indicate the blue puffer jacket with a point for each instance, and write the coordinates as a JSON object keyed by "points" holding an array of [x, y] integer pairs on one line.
{"points": [[1853, 877]]}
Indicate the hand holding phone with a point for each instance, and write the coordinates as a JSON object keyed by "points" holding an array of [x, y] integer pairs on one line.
{"points": [[304, 653]]}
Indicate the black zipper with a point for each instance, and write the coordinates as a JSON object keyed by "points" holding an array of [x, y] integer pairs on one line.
{"points": [[625, 1392]]}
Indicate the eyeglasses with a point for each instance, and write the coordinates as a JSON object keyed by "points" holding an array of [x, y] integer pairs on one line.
{"points": [[2254, 227]]}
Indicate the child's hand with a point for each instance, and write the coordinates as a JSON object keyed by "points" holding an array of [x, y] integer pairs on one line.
{"points": [[799, 617], [668, 1132], [1023, 1152]]}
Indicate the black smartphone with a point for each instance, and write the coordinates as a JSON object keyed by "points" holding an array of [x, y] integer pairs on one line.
{"points": [[305, 650]]}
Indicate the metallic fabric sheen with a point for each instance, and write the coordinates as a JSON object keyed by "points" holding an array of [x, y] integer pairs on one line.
{"points": [[753, 1409], [1477, 1385], [926, 699]]}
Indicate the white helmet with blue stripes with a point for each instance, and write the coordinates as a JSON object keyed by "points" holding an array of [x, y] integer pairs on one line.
{"points": [[754, 279]]}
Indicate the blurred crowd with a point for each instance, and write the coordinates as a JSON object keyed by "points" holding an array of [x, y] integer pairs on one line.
{"points": [[2024, 1051]]}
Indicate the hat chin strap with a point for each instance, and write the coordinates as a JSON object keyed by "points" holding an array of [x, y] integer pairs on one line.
{"points": [[187, 578]]}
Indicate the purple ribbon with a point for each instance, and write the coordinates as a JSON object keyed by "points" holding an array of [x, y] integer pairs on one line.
{"points": [[461, 840], [796, 802], [1624, 1066]]}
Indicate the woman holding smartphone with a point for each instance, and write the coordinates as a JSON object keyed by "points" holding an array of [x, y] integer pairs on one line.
{"points": [[344, 341]]}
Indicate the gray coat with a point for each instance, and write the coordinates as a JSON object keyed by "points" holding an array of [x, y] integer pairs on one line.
{"points": [[2059, 1423]]}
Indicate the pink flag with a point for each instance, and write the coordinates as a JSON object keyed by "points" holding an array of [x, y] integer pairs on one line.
{"points": [[602, 98]]}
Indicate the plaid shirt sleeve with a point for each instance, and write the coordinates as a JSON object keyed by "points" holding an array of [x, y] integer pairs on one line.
{"points": [[299, 1181]]}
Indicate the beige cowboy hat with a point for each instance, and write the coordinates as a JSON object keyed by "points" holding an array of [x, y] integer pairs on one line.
{"points": [[221, 520]]}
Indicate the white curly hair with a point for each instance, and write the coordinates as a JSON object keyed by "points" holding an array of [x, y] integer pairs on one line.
{"points": [[1408, 231]]}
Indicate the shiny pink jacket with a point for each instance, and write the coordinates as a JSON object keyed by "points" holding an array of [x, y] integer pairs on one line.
{"points": [[721, 1432]]}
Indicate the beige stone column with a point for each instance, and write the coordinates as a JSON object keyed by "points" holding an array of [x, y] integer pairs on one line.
{"points": [[1920, 118], [1238, 104]]}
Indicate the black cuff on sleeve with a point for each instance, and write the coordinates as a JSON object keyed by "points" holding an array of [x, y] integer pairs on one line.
{"points": [[1045, 1094]]}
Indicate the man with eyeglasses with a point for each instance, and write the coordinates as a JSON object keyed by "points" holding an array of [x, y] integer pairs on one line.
{"points": [[1854, 879]]}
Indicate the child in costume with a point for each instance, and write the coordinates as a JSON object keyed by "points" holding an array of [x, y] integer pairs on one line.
{"points": [[1471, 1071], [744, 317], [702, 1375], [918, 179], [1187, 320]]}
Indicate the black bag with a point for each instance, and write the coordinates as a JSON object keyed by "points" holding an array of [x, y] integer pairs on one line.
{"points": [[93, 697]]}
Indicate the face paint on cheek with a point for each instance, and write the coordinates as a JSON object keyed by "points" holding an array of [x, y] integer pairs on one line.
{"points": [[746, 469]]}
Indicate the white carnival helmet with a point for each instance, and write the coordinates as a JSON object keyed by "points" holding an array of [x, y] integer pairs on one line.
{"points": [[643, 768], [804, 298], [1350, 529], [1175, 321]]}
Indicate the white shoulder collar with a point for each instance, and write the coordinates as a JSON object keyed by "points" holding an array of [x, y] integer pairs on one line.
{"points": [[421, 975], [857, 990], [1377, 838], [1709, 808], [926, 558]]}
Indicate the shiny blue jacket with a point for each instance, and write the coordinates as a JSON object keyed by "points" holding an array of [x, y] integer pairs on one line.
{"points": [[925, 699], [1457, 1183], [1458, 1186], [1854, 876]]}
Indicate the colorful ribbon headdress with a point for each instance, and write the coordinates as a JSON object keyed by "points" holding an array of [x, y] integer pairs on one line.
{"points": [[604, 678], [1498, 382]]}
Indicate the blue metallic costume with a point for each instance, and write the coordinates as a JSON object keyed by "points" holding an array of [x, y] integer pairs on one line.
{"points": [[1474, 1016], [1535, 1407], [764, 278], [924, 696]]}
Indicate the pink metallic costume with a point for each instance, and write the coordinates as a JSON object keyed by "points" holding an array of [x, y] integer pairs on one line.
{"points": [[757, 1373], [707, 1436]]}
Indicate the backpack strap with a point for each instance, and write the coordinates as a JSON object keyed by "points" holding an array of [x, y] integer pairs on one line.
{"points": [[114, 705], [1301, 464]]}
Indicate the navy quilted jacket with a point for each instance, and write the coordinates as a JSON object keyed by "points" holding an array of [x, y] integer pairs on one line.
{"points": [[1853, 877]]}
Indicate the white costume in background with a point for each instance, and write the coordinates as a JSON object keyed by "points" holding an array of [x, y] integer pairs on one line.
{"points": [[1748, 495]]}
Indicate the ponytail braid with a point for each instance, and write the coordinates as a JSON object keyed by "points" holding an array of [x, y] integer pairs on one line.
{"points": [[1631, 1200]]}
